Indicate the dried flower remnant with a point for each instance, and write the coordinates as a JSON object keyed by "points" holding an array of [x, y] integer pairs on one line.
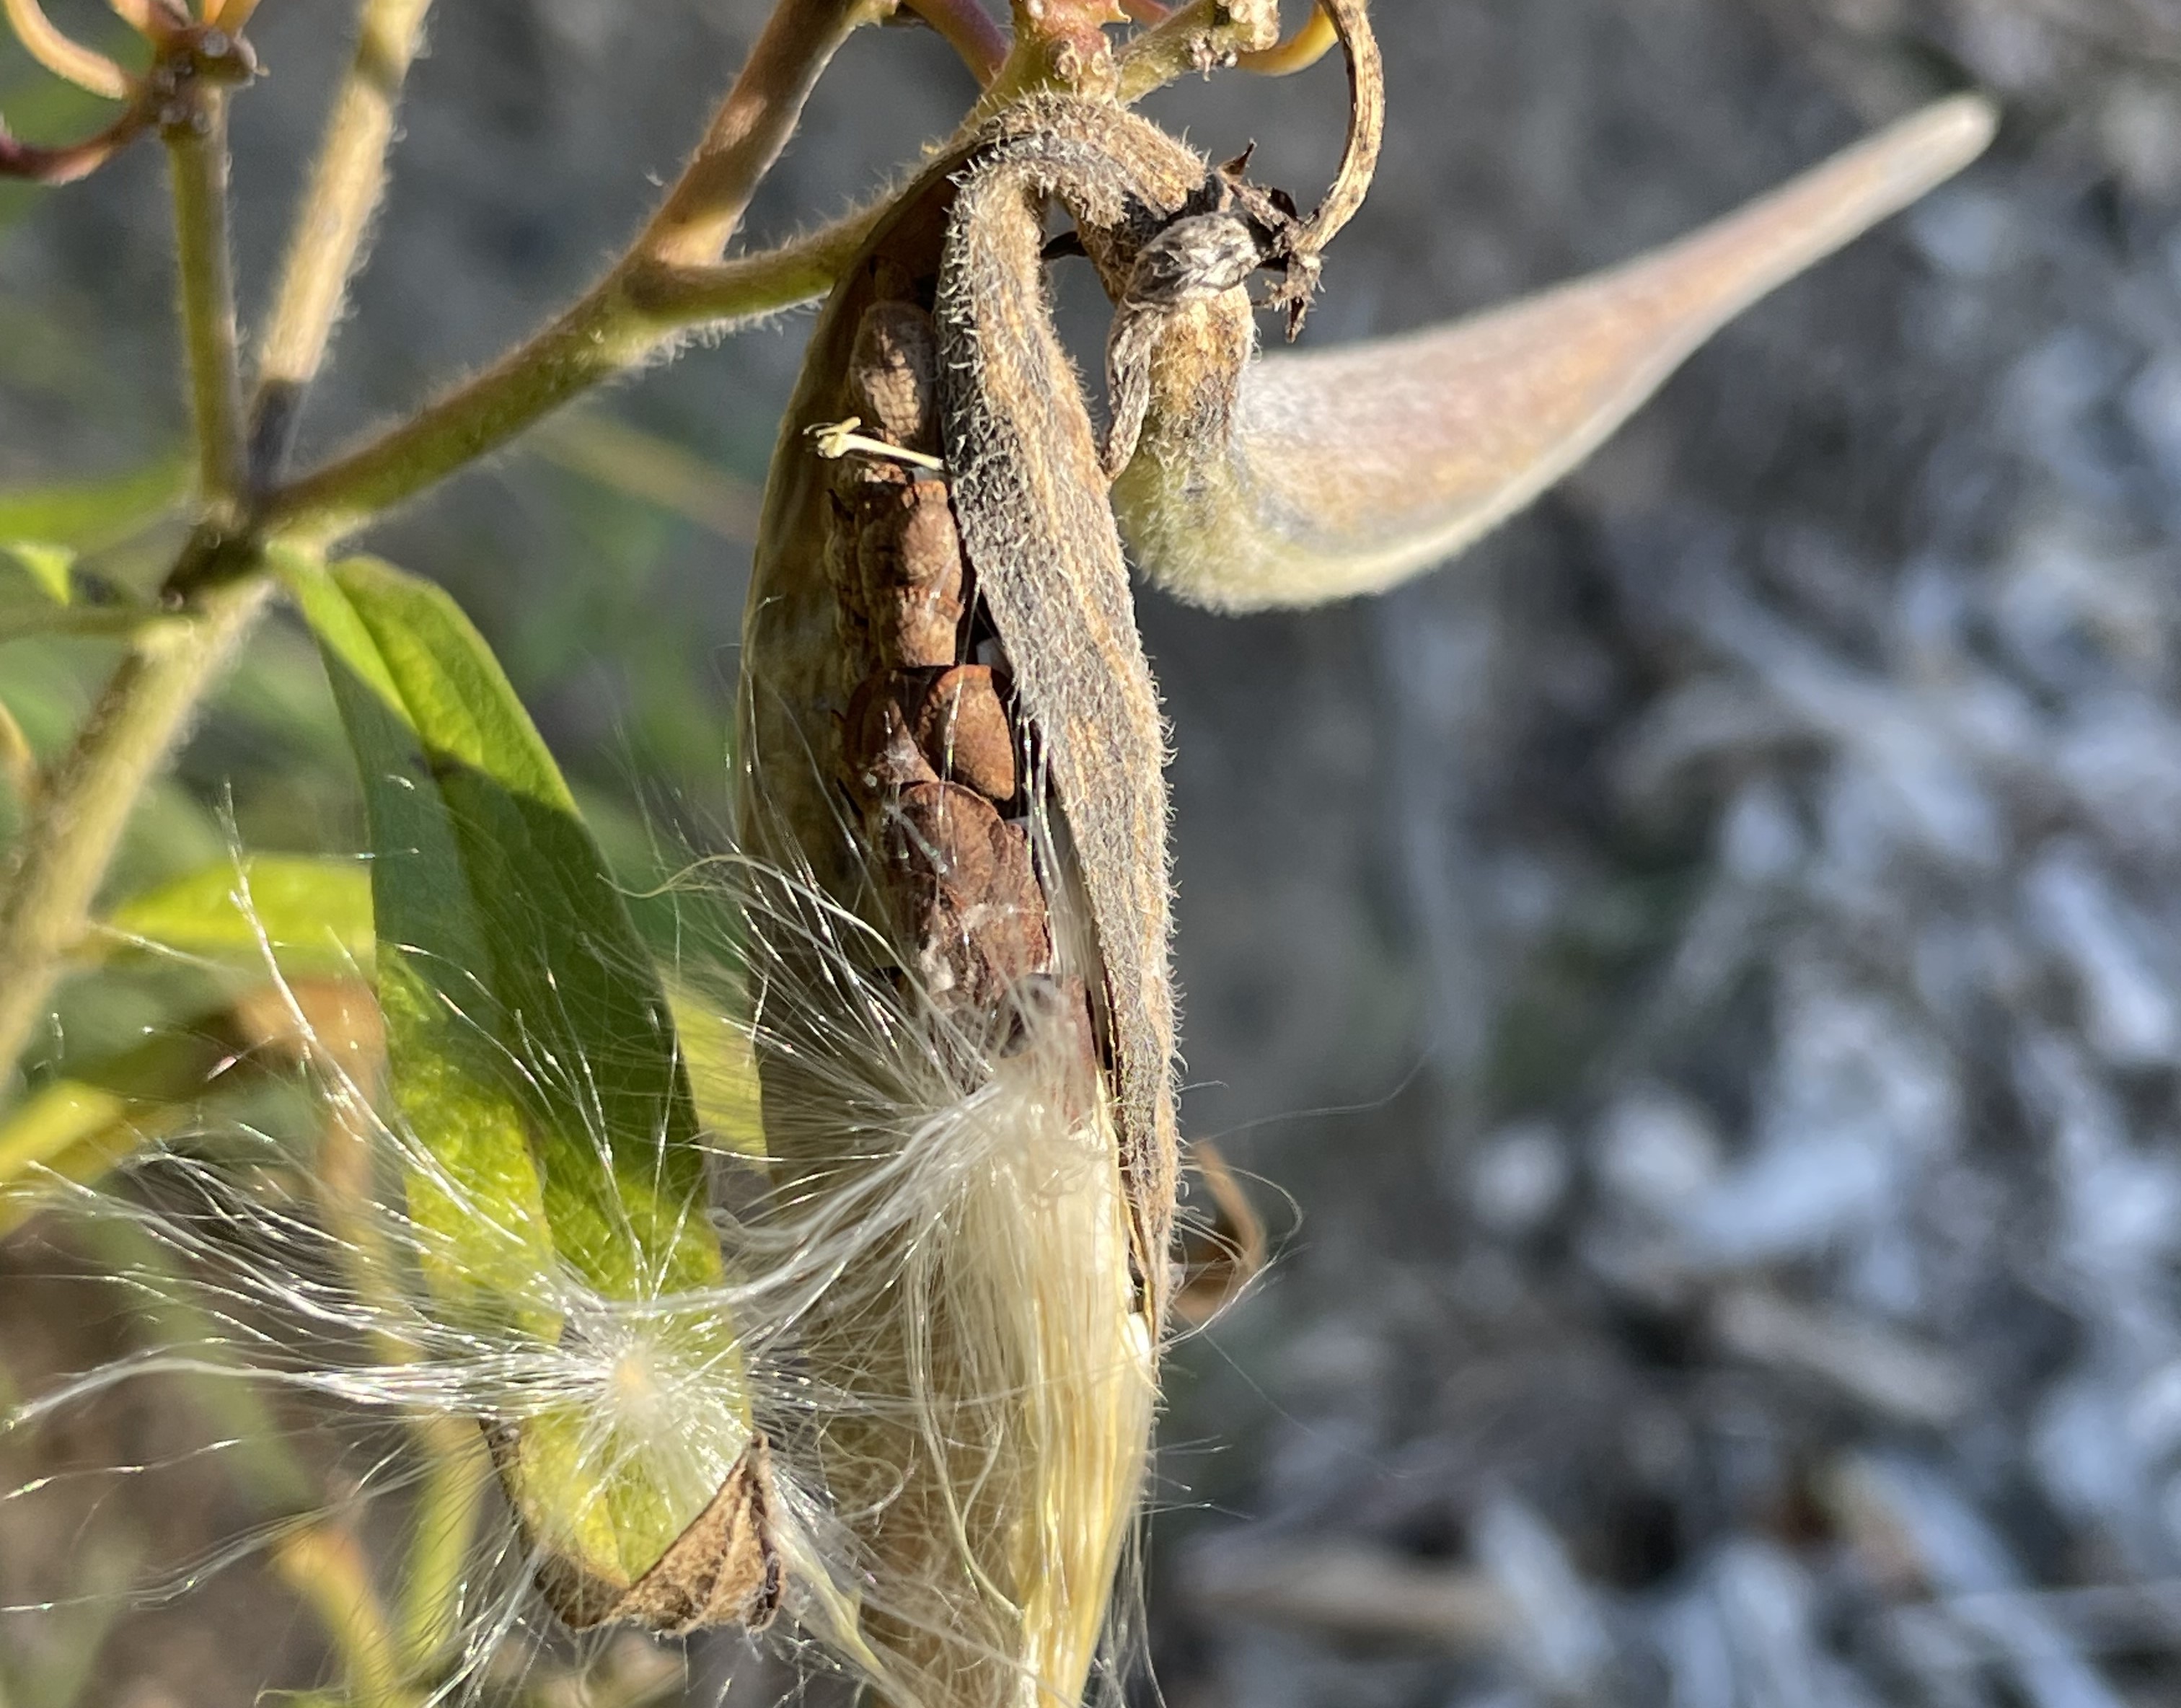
{"points": [[189, 56]]}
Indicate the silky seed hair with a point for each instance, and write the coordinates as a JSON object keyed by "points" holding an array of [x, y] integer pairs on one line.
{"points": [[954, 1247]]}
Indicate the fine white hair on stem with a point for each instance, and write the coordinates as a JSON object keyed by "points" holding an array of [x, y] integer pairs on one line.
{"points": [[934, 1324]]}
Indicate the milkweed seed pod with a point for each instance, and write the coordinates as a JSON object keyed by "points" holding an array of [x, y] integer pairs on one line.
{"points": [[949, 724], [1296, 479]]}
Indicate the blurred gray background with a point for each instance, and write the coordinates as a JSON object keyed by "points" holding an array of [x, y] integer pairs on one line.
{"points": [[1696, 978]]}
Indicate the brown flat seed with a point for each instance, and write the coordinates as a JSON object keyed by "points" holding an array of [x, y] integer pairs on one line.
{"points": [[965, 891], [962, 727], [917, 630], [906, 537], [881, 754], [893, 375]]}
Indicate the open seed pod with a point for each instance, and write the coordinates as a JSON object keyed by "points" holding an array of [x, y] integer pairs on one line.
{"points": [[966, 1022]]}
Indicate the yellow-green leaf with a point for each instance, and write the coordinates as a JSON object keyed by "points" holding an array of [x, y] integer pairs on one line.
{"points": [[78, 1128], [529, 1041], [315, 914], [722, 1066], [86, 516], [46, 562], [70, 1131]]}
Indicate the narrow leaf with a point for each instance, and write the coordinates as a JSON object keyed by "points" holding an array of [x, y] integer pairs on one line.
{"points": [[530, 1044], [315, 914], [46, 562], [86, 516], [77, 1128], [70, 1131], [722, 1065]]}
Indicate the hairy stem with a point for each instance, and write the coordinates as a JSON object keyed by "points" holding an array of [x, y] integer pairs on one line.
{"points": [[63, 853], [327, 239], [628, 318], [753, 124], [670, 279], [197, 154], [1196, 38]]}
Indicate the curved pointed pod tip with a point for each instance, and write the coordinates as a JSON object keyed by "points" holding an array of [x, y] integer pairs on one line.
{"points": [[1324, 475]]}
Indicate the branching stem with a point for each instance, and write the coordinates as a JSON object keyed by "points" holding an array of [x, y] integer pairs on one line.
{"points": [[672, 279], [637, 309]]}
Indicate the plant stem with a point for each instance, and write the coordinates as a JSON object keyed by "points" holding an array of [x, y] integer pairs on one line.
{"points": [[197, 154], [458, 1472], [64, 58], [1196, 38], [669, 280], [618, 327], [64, 852], [327, 238], [325, 1565], [752, 126]]}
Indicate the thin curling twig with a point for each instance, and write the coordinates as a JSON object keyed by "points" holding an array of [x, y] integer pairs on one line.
{"points": [[327, 234], [1297, 246], [1366, 125], [65, 58]]}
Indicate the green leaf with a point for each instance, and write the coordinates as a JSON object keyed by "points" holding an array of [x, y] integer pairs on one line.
{"points": [[315, 913], [722, 1065], [87, 515], [78, 1128], [47, 563], [83, 621], [69, 1131], [530, 1043]]}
